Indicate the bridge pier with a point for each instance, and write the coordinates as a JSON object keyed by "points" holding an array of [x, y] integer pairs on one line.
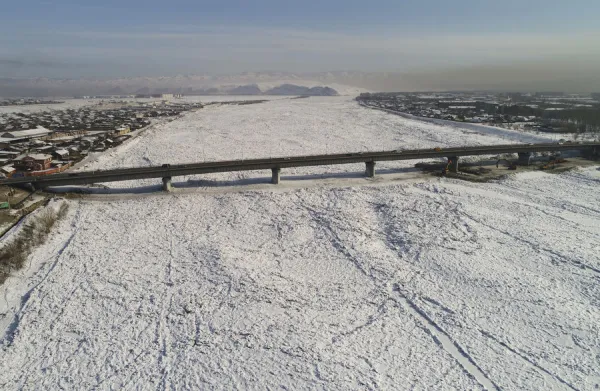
{"points": [[370, 169], [525, 158], [167, 185], [453, 163], [275, 175]]}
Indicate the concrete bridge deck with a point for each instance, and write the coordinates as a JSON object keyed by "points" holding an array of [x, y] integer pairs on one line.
{"points": [[166, 172]]}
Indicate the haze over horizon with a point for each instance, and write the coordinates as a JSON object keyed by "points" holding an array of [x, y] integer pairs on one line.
{"points": [[433, 44]]}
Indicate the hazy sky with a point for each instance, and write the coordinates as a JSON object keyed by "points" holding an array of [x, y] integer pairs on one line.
{"points": [[65, 38]]}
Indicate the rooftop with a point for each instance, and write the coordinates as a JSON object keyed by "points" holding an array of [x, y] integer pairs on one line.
{"points": [[20, 134]]}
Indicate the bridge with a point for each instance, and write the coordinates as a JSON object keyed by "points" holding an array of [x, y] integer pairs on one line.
{"points": [[167, 171]]}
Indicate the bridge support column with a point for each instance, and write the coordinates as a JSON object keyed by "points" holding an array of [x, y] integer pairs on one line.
{"points": [[167, 186], [370, 169], [453, 163], [525, 158], [275, 175]]}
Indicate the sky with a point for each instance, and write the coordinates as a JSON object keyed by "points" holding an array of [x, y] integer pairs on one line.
{"points": [[108, 39]]}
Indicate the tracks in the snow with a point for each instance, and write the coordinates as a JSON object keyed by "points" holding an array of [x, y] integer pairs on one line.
{"points": [[397, 294], [564, 259], [443, 339], [546, 373], [163, 334], [13, 327]]}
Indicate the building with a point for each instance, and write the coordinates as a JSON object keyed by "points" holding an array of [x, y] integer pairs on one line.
{"points": [[121, 130], [7, 171], [17, 136], [33, 162], [27, 134], [61, 154], [65, 135]]}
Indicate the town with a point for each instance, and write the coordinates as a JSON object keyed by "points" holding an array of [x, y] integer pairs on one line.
{"points": [[49, 142], [28, 101], [551, 112]]}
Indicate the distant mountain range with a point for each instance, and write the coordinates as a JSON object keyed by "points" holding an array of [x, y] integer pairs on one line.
{"points": [[262, 83], [254, 89], [291, 89]]}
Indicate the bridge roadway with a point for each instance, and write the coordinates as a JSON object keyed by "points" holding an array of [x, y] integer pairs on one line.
{"points": [[276, 164]]}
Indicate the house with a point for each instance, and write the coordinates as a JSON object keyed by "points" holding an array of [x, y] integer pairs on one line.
{"points": [[37, 143], [7, 170], [33, 162], [89, 140], [62, 154]]}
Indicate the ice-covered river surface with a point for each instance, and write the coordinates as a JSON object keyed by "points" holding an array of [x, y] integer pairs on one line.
{"points": [[421, 284]]}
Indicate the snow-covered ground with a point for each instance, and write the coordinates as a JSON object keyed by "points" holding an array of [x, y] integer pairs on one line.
{"points": [[423, 284]]}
